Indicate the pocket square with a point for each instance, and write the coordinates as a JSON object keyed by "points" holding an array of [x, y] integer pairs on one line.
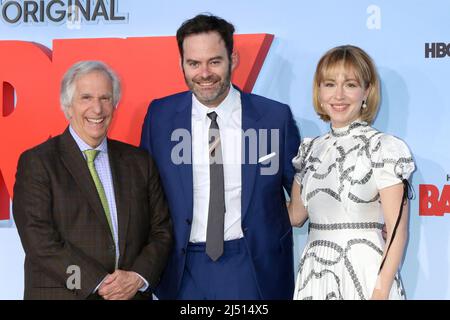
{"points": [[267, 157]]}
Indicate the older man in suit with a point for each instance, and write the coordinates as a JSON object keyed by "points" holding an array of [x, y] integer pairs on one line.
{"points": [[90, 211]]}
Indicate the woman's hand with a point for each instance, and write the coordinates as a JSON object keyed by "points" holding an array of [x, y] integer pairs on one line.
{"points": [[296, 208]]}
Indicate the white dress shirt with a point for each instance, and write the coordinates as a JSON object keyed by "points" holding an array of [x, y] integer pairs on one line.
{"points": [[229, 119]]}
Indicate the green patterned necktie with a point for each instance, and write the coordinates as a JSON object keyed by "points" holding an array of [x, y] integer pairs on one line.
{"points": [[90, 157]]}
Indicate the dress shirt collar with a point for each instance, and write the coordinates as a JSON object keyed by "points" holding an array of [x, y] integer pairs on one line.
{"points": [[103, 147], [224, 110]]}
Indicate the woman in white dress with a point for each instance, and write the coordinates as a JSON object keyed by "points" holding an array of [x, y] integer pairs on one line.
{"points": [[349, 183]]}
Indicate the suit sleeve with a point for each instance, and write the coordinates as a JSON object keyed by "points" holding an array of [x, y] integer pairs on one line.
{"points": [[291, 144], [42, 243], [145, 133], [153, 258]]}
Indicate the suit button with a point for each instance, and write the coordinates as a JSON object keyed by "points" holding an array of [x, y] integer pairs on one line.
{"points": [[112, 248], [183, 250], [245, 229], [188, 221]]}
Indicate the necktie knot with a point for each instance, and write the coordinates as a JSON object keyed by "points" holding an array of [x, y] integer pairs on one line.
{"points": [[212, 116], [91, 154]]}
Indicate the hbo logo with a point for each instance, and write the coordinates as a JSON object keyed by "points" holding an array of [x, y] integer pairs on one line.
{"points": [[437, 50]]}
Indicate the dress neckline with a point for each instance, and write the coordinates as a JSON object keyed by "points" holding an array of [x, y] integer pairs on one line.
{"points": [[349, 129]]}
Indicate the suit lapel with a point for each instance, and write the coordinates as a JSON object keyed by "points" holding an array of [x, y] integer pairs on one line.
{"points": [[120, 172], [75, 163], [183, 120], [250, 117]]}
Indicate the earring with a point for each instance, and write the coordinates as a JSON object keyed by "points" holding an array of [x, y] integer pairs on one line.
{"points": [[364, 105]]}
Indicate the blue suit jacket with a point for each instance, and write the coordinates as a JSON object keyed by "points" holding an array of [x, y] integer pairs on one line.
{"points": [[265, 220]]}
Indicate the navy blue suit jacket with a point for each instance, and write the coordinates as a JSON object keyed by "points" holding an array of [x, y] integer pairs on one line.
{"points": [[265, 221]]}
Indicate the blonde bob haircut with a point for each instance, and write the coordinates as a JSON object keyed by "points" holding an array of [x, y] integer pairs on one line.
{"points": [[355, 60]]}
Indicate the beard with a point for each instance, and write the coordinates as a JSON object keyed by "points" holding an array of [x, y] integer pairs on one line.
{"points": [[212, 95]]}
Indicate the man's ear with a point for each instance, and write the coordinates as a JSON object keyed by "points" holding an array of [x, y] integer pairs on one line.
{"points": [[68, 112], [234, 60]]}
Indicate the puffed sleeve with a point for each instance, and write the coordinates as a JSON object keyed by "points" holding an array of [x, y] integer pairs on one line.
{"points": [[299, 160], [391, 161]]}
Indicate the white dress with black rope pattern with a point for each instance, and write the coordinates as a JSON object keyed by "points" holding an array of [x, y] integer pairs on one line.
{"points": [[340, 174]]}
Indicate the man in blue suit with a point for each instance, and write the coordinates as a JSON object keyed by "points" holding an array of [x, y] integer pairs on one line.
{"points": [[224, 157]]}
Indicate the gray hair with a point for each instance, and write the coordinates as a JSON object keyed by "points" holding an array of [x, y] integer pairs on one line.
{"points": [[82, 68]]}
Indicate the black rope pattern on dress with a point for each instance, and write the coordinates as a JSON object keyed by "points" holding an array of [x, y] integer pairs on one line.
{"points": [[408, 194]]}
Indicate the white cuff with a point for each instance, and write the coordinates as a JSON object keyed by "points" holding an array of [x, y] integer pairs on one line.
{"points": [[145, 286]]}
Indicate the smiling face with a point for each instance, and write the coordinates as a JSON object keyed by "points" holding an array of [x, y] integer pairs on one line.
{"points": [[341, 96], [207, 67], [92, 109]]}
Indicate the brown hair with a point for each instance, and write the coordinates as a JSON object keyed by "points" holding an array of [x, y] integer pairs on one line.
{"points": [[204, 23]]}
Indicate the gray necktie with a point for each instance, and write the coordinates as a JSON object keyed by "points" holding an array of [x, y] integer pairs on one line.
{"points": [[216, 213]]}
